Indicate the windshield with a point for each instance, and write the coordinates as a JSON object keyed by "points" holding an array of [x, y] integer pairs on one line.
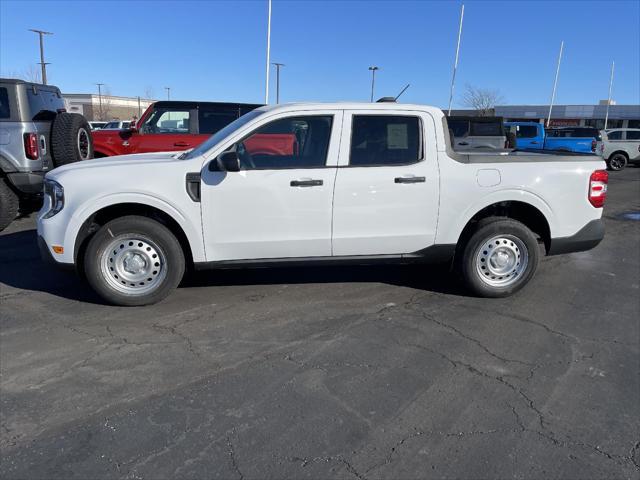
{"points": [[221, 135]]}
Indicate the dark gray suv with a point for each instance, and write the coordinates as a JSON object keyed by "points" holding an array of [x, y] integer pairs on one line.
{"points": [[36, 135]]}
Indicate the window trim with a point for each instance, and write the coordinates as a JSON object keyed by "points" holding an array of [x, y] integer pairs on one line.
{"points": [[421, 150], [242, 139]]}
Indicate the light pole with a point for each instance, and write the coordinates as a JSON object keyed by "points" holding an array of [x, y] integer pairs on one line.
{"points": [[606, 117], [278, 65], [100, 100], [43, 64], [266, 84], [168, 89], [373, 79]]}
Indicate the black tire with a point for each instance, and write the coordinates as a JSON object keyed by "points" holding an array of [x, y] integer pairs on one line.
{"points": [[474, 257], [9, 204], [71, 139], [152, 235], [617, 162]]}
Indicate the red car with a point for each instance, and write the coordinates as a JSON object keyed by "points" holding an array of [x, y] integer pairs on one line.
{"points": [[169, 126]]}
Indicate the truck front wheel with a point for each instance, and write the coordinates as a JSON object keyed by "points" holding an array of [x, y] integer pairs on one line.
{"points": [[133, 261], [500, 258]]}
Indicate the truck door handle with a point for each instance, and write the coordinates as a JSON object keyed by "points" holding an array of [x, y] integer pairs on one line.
{"points": [[409, 179], [534, 143], [463, 143], [305, 183], [181, 144]]}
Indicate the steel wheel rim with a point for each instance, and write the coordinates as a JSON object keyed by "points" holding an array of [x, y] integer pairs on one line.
{"points": [[501, 260], [83, 143], [133, 265]]}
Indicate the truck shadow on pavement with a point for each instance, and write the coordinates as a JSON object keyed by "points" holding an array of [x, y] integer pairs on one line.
{"points": [[21, 267]]}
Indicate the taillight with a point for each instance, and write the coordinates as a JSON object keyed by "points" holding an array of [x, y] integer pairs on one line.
{"points": [[31, 145], [598, 188], [593, 145]]}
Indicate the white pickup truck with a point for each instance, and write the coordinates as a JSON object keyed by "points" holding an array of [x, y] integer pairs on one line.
{"points": [[305, 184]]}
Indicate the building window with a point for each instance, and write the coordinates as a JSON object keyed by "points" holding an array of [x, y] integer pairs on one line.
{"points": [[633, 123]]}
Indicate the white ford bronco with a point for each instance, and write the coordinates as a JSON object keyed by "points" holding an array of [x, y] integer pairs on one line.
{"points": [[305, 184]]}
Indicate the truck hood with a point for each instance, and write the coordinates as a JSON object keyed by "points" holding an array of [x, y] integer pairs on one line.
{"points": [[118, 161]]}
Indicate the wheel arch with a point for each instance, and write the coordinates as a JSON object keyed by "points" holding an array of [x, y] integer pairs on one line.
{"points": [[524, 212], [622, 152], [110, 212]]}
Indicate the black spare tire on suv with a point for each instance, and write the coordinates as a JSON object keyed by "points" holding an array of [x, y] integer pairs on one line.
{"points": [[70, 139]]}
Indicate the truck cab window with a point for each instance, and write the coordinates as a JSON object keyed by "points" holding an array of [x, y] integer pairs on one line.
{"points": [[294, 142], [379, 140]]}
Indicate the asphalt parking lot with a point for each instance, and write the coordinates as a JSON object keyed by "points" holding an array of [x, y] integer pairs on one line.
{"points": [[364, 372]]}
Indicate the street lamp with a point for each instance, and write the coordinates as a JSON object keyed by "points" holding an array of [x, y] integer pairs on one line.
{"points": [[43, 64], [278, 65], [373, 79], [100, 113], [168, 89]]}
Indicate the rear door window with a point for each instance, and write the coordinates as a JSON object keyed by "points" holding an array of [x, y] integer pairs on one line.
{"points": [[211, 121], [5, 111], [633, 134], [385, 140]]}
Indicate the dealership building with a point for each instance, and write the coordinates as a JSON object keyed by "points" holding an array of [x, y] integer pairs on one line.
{"points": [[105, 107], [620, 116]]}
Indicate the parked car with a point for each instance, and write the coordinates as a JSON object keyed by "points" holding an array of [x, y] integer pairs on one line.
{"points": [[169, 126], [305, 184], [116, 125], [619, 147], [471, 133], [97, 125], [36, 135], [533, 136]]}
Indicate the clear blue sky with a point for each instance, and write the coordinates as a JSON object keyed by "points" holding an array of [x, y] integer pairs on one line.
{"points": [[210, 50]]}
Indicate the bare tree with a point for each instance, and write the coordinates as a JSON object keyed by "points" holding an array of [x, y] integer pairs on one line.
{"points": [[28, 74], [482, 100], [104, 105], [32, 74]]}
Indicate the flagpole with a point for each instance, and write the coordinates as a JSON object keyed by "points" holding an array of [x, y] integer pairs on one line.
{"points": [[455, 65], [555, 83], [266, 88], [606, 117]]}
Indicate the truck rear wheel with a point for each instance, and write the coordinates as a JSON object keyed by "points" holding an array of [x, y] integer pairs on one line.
{"points": [[134, 261], [71, 139], [9, 203], [617, 162], [500, 258]]}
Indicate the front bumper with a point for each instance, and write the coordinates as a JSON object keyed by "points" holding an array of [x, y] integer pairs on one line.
{"points": [[586, 238], [47, 256]]}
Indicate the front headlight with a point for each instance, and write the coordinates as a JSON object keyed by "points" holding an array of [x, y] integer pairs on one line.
{"points": [[54, 191]]}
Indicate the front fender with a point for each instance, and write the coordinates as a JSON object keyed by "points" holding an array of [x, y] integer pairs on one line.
{"points": [[192, 230]]}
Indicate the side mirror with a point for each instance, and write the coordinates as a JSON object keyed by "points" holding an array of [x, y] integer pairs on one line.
{"points": [[226, 162]]}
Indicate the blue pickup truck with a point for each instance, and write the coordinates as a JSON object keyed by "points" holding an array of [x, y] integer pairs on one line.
{"points": [[533, 136]]}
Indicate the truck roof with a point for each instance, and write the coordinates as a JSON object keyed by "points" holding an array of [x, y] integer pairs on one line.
{"points": [[353, 106], [196, 104]]}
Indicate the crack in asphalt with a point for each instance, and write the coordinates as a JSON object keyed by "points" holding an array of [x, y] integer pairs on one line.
{"points": [[232, 457], [333, 458]]}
